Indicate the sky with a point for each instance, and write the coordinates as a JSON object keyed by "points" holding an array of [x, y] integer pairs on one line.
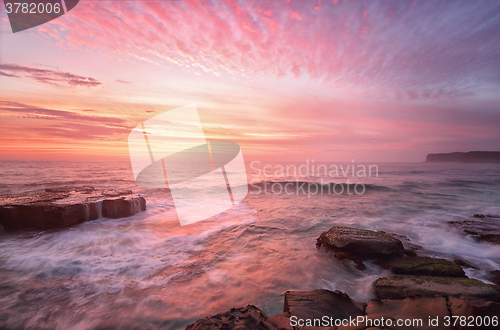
{"points": [[289, 80]]}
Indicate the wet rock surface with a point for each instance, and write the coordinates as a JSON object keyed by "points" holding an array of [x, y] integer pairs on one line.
{"points": [[317, 303], [423, 266], [402, 286], [66, 206], [360, 244], [411, 248], [249, 317], [495, 276], [306, 309]]}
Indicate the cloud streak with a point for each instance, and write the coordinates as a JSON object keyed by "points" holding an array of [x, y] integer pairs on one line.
{"points": [[47, 76], [61, 123]]}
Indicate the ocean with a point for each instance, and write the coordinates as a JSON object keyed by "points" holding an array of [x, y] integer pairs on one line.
{"points": [[148, 272]]}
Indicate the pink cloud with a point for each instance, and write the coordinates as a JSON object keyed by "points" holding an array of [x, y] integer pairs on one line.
{"points": [[48, 76], [295, 15], [429, 69], [421, 53]]}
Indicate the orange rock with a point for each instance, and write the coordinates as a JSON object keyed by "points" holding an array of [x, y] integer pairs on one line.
{"points": [[412, 310]]}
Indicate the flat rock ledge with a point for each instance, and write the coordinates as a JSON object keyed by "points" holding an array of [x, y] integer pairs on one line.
{"points": [[403, 286], [309, 310], [66, 206], [360, 244], [423, 266]]}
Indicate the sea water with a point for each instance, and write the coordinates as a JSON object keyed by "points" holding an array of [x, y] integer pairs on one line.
{"points": [[147, 271]]}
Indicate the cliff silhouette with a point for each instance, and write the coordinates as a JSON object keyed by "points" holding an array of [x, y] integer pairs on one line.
{"points": [[465, 157]]}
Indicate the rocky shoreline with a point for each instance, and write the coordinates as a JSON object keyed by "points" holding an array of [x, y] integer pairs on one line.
{"points": [[419, 287], [66, 206]]}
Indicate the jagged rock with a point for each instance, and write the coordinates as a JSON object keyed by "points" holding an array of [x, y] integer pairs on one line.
{"points": [[249, 317], [317, 303], [415, 308], [483, 227], [473, 307], [360, 244], [66, 206], [403, 286], [423, 266]]}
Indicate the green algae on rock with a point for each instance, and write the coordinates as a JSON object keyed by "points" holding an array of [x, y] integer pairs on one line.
{"points": [[423, 266]]}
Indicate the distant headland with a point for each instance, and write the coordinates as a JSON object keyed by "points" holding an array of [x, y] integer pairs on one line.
{"points": [[465, 157]]}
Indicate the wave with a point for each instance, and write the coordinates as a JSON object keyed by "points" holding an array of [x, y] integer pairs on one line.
{"points": [[322, 188], [467, 183]]}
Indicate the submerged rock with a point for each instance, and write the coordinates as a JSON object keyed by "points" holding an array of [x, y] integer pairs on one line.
{"points": [[249, 317], [403, 286], [483, 227], [66, 206], [423, 266], [360, 244]]}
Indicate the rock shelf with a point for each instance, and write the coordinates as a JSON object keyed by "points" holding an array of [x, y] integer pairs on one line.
{"points": [[66, 206]]}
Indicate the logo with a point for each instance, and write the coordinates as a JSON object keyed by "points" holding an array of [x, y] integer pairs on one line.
{"points": [[205, 178], [25, 14]]}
